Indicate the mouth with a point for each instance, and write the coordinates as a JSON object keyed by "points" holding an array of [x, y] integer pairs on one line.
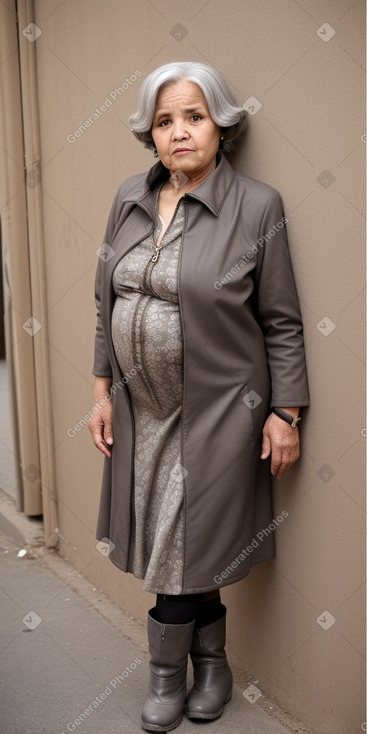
{"points": [[182, 150]]}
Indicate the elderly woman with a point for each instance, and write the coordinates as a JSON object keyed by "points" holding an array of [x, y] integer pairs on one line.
{"points": [[199, 376]]}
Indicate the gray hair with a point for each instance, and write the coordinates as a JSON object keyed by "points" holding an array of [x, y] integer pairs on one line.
{"points": [[221, 103]]}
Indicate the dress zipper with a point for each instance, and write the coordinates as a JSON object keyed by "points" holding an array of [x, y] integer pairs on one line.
{"points": [[155, 255], [156, 252]]}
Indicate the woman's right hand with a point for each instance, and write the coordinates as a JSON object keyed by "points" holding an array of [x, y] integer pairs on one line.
{"points": [[100, 423]]}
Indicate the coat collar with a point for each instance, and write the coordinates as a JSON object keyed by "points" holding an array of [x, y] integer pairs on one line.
{"points": [[212, 192]]}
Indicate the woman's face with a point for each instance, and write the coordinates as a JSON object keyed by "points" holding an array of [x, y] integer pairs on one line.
{"points": [[184, 134]]}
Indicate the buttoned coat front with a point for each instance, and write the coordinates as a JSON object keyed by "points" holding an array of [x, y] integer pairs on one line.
{"points": [[243, 353]]}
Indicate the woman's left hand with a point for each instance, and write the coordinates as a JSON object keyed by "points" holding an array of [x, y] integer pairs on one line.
{"points": [[282, 442]]}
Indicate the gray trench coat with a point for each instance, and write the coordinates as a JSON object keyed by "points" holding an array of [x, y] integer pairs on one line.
{"points": [[242, 353]]}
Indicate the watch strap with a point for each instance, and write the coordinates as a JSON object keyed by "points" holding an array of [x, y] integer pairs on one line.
{"points": [[290, 419]]}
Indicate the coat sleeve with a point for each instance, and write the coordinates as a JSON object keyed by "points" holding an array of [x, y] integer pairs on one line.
{"points": [[279, 311], [102, 366]]}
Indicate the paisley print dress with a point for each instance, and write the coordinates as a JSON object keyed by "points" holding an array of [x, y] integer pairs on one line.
{"points": [[146, 330]]}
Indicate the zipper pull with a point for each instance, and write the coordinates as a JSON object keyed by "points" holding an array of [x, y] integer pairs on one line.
{"points": [[155, 255], [156, 251]]}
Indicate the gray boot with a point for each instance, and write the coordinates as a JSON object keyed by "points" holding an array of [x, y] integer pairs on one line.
{"points": [[212, 675], [169, 646]]}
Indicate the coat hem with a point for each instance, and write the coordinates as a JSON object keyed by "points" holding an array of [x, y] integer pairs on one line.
{"points": [[226, 582], [196, 589]]}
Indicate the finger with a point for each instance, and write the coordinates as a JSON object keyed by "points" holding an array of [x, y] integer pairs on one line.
{"points": [[276, 461], [288, 458], [282, 470], [108, 433], [280, 473], [265, 449], [103, 448], [100, 443], [98, 439]]}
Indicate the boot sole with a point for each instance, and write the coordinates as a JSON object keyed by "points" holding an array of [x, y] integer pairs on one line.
{"points": [[158, 727], [210, 717]]}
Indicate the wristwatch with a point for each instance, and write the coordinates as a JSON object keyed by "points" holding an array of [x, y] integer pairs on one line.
{"points": [[293, 420]]}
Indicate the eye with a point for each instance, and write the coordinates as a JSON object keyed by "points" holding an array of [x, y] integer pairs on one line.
{"points": [[196, 118], [164, 123]]}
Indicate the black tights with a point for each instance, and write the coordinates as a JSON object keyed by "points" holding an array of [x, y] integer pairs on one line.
{"points": [[187, 607]]}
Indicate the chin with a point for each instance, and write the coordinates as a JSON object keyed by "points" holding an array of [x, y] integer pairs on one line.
{"points": [[182, 165]]}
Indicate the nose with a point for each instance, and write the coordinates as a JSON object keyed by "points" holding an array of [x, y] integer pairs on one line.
{"points": [[178, 131]]}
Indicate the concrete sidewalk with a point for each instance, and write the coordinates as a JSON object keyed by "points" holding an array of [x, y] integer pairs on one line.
{"points": [[60, 658]]}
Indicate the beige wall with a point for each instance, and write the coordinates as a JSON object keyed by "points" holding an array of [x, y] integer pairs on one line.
{"points": [[311, 121]]}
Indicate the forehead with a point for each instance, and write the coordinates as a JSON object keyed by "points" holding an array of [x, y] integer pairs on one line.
{"points": [[182, 91]]}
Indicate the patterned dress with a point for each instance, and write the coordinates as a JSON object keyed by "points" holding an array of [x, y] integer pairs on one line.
{"points": [[146, 330]]}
